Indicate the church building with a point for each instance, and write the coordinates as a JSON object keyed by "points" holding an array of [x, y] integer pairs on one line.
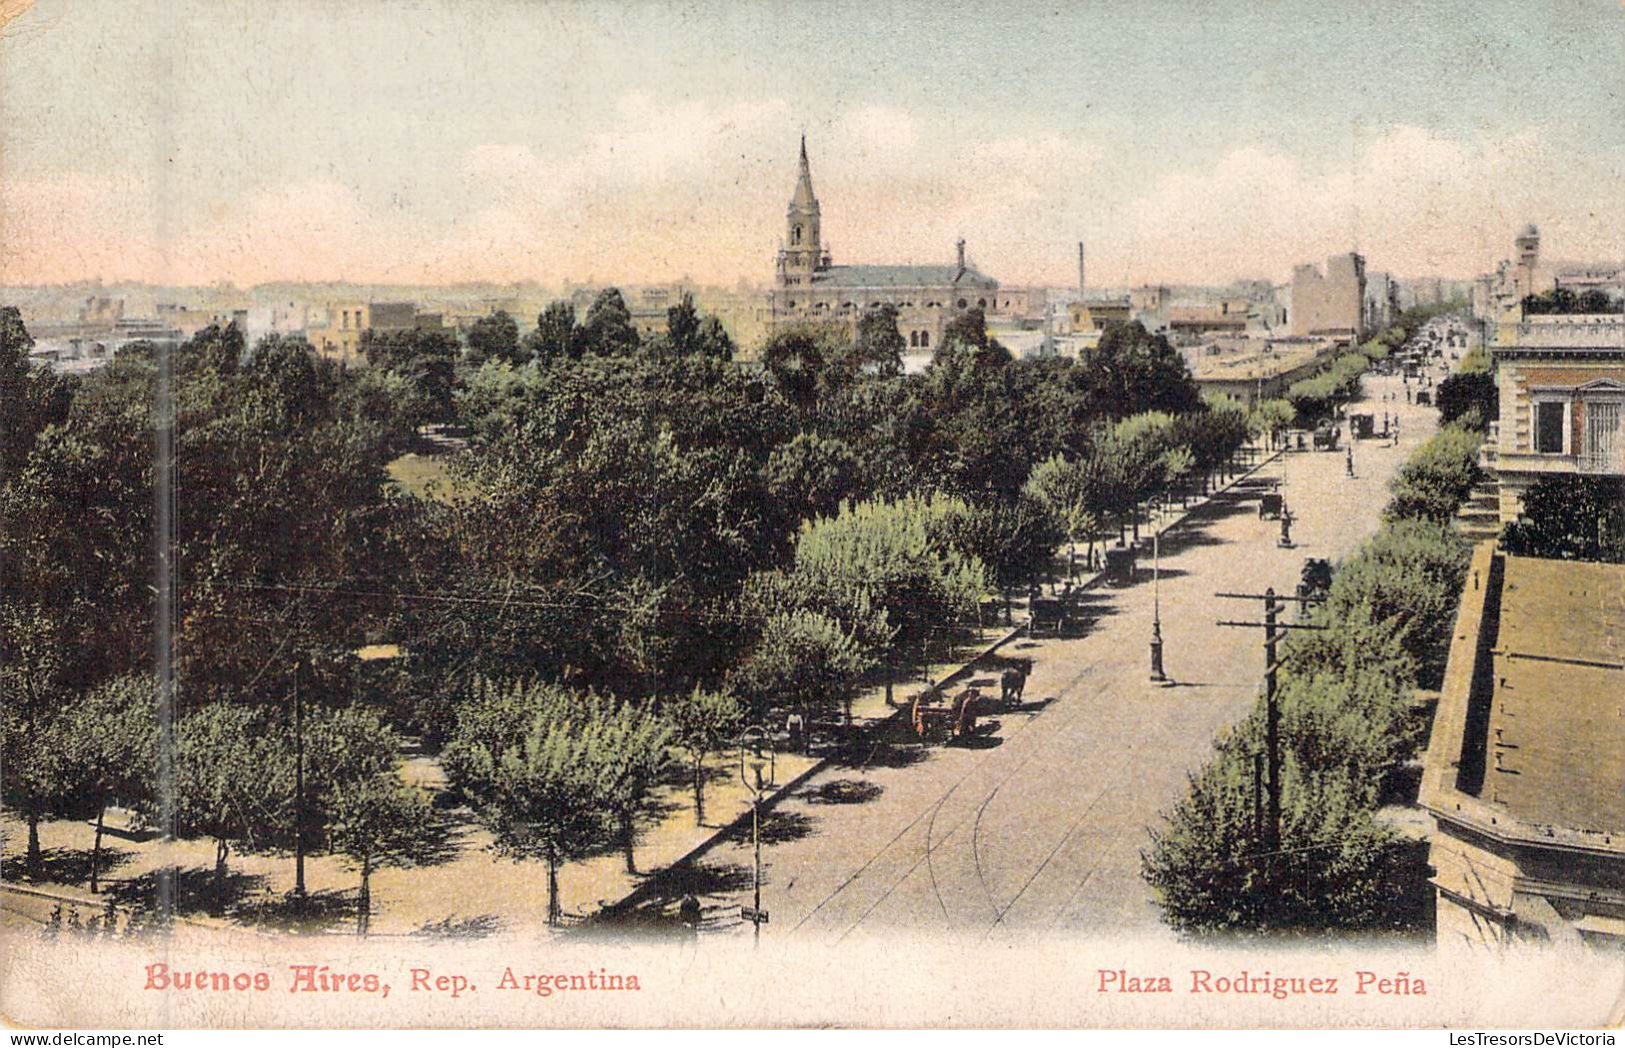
{"points": [[809, 287]]}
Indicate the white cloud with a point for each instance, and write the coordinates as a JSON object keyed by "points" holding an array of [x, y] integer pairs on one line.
{"points": [[687, 187]]}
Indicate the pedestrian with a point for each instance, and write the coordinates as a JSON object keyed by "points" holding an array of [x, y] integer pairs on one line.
{"points": [[795, 726], [688, 911]]}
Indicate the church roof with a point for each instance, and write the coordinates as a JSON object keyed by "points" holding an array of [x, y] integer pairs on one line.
{"points": [[902, 276]]}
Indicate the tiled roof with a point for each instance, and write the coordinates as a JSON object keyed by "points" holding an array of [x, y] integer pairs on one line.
{"points": [[1556, 739], [903, 276]]}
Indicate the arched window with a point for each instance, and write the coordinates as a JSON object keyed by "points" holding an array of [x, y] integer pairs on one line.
{"points": [[925, 340], [981, 303], [961, 303], [914, 339], [795, 234]]}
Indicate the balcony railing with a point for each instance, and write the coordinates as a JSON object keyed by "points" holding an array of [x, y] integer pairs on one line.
{"points": [[1611, 463], [1607, 333]]}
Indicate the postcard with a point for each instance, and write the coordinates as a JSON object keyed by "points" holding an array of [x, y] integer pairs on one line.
{"points": [[636, 513]]}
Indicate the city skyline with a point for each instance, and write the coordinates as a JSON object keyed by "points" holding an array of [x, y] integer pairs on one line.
{"points": [[387, 143]]}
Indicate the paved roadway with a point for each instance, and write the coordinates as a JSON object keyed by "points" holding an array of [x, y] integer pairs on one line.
{"points": [[1039, 826]]}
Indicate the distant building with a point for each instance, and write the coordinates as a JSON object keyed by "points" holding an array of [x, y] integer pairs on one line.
{"points": [[809, 286], [1248, 370], [1086, 317], [1525, 769], [338, 335], [1562, 385], [1381, 302], [1332, 304]]}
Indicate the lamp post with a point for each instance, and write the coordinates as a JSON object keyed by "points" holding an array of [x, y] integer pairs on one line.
{"points": [[756, 754], [1157, 674]]}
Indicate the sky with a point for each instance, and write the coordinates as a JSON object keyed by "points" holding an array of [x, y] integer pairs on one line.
{"points": [[438, 141]]}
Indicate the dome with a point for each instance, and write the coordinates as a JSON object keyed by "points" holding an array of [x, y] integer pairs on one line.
{"points": [[1529, 231]]}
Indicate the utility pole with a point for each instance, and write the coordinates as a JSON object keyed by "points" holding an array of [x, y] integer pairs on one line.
{"points": [[1273, 631], [756, 753], [1272, 722], [298, 787]]}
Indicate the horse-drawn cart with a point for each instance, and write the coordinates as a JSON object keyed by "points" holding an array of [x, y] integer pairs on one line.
{"points": [[936, 717], [1120, 564]]}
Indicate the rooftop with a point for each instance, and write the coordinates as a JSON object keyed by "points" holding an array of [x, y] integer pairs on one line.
{"points": [[1556, 730], [902, 276]]}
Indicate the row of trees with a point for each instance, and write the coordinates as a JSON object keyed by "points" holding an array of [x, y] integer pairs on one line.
{"points": [[1348, 723]]}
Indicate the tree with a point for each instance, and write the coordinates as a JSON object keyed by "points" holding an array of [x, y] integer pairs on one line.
{"points": [[1409, 576], [1438, 476], [1068, 489], [495, 337], [608, 329], [1461, 394], [427, 359], [1133, 371], [683, 325], [967, 332], [878, 345], [704, 722], [796, 357], [1015, 540], [1567, 516], [804, 660], [628, 747], [887, 572], [811, 476], [540, 799], [109, 740], [31, 398], [556, 336], [377, 820], [1270, 418], [232, 780], [37, 777], [1336, 867]]}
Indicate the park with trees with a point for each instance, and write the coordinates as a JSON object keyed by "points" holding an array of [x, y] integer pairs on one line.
{"points": [[645, 546]]}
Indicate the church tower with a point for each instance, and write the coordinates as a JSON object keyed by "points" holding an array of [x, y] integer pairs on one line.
{"points": [[803, 253]]}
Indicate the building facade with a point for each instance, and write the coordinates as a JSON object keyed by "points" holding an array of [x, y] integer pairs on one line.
{"points": [[1562, 385], [1525, 768], [808, 286], [1333, 304]]}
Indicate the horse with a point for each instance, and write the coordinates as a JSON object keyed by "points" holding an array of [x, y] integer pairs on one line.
{"points": [[1011, 683]]}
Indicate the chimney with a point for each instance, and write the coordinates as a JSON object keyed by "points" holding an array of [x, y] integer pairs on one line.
{"points": [[960, 244], [1081, 283]]}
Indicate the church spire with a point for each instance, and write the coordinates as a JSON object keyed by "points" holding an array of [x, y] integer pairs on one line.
{"points": [[804, 255], [804, 198]]}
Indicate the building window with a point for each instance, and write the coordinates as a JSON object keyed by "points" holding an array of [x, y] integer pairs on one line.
{"points": [[1551, 426], [961, 303], [925, 340], [981, 303], [1602, 434], [795, 235], [914, 340]]}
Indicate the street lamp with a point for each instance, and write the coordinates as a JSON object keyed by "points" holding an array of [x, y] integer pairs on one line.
{"points": [[756, 755], [1157, 674]]}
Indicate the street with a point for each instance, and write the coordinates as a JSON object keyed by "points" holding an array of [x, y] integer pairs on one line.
{"points": [[1038, 826]]}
